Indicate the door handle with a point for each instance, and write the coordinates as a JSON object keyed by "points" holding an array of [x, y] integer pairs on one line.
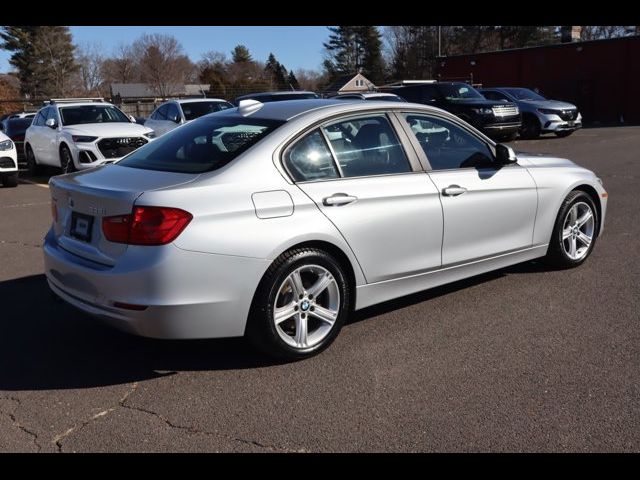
{"points": [[453, 190], [338, 199]]}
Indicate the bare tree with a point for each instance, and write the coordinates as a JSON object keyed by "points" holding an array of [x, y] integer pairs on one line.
{"points": [[122, 66], [598, 32], [90, 60], [310, 79], [163, 65]]}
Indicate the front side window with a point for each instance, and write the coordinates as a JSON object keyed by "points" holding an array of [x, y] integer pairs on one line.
{"points": [[92, 114], [193, 110], [447, 145], [173, 114], [367, 146], [40, 117], [201, 146], [310, 159], [459, 91]]}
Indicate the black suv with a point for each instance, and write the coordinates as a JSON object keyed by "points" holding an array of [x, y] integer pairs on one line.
{"points": [[498, 120]]}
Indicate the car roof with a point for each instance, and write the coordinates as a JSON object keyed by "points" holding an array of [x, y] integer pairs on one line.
{"points": [[79, 104], [193, 100], [288, 109]]}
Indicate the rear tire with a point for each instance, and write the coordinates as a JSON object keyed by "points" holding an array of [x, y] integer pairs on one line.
{"points": [[66, 160], [288, 319], [531, 128], [10, 180], [567, 248], [32, 164]]}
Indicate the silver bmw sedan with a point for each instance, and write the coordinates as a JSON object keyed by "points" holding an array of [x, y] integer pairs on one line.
{"points": [[278, 220]]}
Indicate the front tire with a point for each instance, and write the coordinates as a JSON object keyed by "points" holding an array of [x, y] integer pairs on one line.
{"points": [[10, 180], [32, 164], [531, 128], [66, 160], [300, 305], [575, 231]]}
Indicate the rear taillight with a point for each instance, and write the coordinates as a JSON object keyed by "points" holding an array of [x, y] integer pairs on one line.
{"points": [[146, 226]]}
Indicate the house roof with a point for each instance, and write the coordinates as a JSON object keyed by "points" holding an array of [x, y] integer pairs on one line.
{"points": [[143, 90], [340, 82]]}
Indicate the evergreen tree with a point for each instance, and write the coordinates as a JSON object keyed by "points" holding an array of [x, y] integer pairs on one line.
{"points": [[241, 54], [276, 73], [43, 57], [353, 49], [292, 81]]}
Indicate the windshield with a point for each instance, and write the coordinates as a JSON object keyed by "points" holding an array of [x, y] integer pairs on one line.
{"points": [[92, 114], [193, 110], [523, 94], [388, 98], [202, 146], [293, 96], [459, 91]]}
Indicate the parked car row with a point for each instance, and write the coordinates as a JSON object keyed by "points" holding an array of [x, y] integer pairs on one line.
{"points": [[76, 134]]}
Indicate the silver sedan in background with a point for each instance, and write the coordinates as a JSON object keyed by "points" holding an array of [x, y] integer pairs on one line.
{"points": [[278, 220]]}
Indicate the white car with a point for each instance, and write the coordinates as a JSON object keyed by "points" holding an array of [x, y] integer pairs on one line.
{"points": [[8, 162], [80, 134], [174, 113]]}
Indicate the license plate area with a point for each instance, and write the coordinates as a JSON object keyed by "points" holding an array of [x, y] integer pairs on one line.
{"points": [[81, 226]]}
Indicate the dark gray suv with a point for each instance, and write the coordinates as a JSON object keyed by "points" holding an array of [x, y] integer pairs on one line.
{"points": [[539, 115]]}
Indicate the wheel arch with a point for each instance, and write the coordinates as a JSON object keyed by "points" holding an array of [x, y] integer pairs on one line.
{"points": [[593, 194]]}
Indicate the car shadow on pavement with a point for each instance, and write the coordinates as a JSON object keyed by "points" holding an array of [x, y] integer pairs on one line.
{"points": [[46, 344]]}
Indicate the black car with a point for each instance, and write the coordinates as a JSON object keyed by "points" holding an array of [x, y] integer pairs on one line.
{"points": [[276, 96], [499, 120], [14, 128]]}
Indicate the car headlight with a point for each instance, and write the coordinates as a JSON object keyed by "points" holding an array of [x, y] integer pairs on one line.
{"points": [[83, 138], [547, 111], [483, 111], [151, 134], [6, 145]]}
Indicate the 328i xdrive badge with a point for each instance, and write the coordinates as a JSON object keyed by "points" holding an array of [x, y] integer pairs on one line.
{"points": [[276, 221]]}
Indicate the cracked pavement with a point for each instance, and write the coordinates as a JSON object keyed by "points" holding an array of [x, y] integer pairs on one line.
{"points": [[523, 359]]}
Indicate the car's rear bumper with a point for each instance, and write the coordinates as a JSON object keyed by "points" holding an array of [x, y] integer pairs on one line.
{"points": [[183, 294]]}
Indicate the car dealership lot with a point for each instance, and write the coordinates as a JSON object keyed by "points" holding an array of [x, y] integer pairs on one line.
{"points": [[523, 359]]}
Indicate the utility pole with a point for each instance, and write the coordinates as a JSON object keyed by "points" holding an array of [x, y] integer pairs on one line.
{"points": [[439, 41]]}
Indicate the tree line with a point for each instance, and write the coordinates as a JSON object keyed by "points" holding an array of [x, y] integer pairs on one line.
{"points": [[48, 63]]}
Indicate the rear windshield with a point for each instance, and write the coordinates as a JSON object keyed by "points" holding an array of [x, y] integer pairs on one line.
{"points": [[18, 125], [194, 110], [201, 146]]}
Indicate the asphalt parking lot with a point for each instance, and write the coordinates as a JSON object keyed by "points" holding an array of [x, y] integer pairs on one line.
{"points": [[522, 359]]}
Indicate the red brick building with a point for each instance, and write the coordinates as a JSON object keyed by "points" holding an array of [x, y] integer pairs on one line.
{"points": [[602, 77]]}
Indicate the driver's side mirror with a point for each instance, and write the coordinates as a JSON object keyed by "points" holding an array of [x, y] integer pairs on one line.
{"points": [[51, 123], [133, 119], [175, 119], [505, 155]]}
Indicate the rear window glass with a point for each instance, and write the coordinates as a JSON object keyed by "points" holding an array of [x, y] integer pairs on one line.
{"points": [[202, 146], [193, 110]]}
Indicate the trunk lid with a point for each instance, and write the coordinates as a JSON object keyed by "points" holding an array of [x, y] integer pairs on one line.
{"points": [[82, 199]]}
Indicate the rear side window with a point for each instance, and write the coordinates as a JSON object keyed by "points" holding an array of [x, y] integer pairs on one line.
{"points": [[193, 110], [201, 146], [310, 159], [367, 146]]}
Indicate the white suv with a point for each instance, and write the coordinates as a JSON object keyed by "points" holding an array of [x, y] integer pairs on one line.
{"points": [[174, 113], [8, 162], [76, 134]]}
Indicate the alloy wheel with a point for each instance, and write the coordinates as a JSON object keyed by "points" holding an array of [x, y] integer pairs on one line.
{"points": [[577, 230], [307, 306]]}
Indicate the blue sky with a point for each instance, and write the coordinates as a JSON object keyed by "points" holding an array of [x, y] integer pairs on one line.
{"points": [[295, 47]]}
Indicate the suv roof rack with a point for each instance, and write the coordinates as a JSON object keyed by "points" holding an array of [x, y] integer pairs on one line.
{"points": [[73, 100]]}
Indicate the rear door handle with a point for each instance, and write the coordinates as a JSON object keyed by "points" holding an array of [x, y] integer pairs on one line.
{"points": [[338, 199], [453, 190]]}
